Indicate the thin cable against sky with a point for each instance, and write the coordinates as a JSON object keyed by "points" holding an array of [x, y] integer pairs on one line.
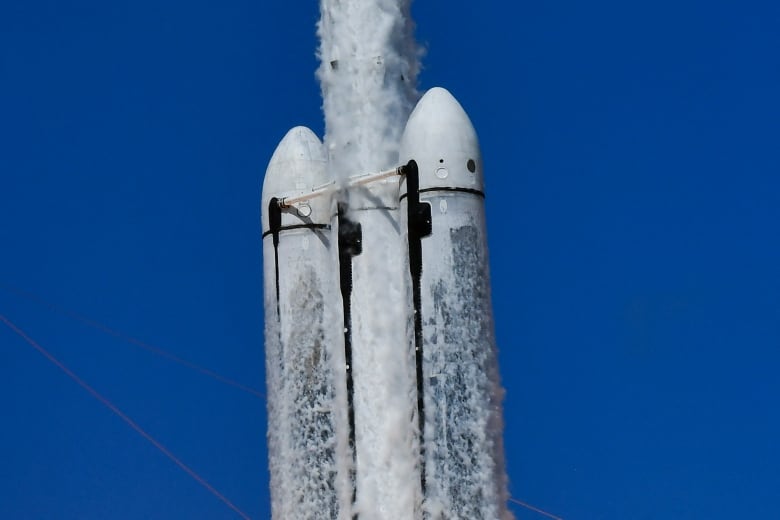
{"points": [[534, 509], [129, 339], [124, 417]]}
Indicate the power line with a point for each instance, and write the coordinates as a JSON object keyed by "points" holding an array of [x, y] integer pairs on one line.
{"points": [[160, 352], [534, 509], [124, 417], [129, 339]]}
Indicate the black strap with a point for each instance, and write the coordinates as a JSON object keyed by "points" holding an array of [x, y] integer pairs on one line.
{"points": [[281, 228], [471, 191], [420, 226], [275, 225], [350, 245]]}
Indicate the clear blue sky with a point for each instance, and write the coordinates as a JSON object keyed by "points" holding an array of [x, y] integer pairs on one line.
{"points": [[633, 191]]}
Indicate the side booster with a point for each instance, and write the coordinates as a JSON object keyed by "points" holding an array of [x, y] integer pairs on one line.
{"points": [[458, 382], [302, 336]]}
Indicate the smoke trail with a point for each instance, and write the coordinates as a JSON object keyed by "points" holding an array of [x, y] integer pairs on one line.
{"points": [[368, 76]]}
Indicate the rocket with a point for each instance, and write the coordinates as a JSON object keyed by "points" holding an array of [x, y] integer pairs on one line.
{"points": [[395, 258]]}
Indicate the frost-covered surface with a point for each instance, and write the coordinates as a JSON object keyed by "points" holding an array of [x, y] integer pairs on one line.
{"points": [[301, 357], [463, 432]]}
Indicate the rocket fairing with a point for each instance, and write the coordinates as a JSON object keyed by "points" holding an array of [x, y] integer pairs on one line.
{"points": [[394, 260]]}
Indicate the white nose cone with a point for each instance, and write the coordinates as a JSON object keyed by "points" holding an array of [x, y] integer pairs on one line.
{"points": [[298, 165], [439, 136]]}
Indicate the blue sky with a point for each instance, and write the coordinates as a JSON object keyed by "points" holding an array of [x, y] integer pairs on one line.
{"points": [[633, 195]]}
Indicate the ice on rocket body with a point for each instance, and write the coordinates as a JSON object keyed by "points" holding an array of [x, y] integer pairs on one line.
{"points": [[460, 448], [302, 418], [461, 387]]}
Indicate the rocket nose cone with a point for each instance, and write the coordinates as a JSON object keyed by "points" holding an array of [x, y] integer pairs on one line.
{"points": [[439, 136], [441, 102], [299, 143], [298, 164], [293, 158]]}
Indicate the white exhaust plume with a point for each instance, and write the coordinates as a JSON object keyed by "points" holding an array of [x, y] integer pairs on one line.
{"points": [[368, 74]]}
